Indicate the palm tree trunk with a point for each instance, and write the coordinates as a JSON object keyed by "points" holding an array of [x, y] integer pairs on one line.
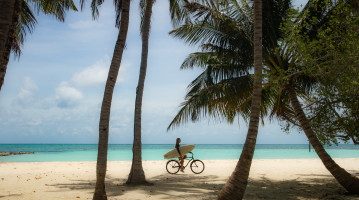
{"points": [[6, 13], [137, 175], [100, 191], [10, 12], [236, 185], [348, 181]]}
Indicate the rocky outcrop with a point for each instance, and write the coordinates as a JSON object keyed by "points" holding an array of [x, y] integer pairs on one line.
{"points": [[14, 153]]}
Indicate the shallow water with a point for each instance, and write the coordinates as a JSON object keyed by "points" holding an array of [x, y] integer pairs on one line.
{"points": [[123, 152]]}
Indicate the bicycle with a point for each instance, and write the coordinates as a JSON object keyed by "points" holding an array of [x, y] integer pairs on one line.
{"points": [[173, 166]]}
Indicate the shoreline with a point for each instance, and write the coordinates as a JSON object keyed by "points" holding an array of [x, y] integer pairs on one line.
{"points": [[268, 179], [165, 160]]}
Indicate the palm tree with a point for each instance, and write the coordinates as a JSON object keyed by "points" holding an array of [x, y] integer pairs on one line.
{"points": [[6, 19], [137, 175], [348, 181], [237, 183], [178, 14], [9, 17], [226, 33], [20, 21], [122, 20]]}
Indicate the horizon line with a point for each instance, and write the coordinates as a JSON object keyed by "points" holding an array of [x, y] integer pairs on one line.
{"points": [[152, 143]]}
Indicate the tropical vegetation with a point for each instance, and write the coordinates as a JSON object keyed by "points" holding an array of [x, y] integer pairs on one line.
{"points": [[258, 58], [224, 88], [137, 174], [333, 58], [177, 14], [122, 8], [18, 20]]}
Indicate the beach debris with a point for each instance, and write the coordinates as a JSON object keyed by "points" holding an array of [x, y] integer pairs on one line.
{"points": [[2, 179], [78, 197]]}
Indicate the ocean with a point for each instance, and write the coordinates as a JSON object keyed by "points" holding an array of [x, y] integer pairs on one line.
{"points": [[123, 152]]}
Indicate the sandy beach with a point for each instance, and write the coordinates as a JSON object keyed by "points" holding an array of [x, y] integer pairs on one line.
{"points": [[269, 179]]}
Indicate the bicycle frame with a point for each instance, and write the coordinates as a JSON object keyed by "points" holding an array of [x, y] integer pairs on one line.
{"points": [[191, 158]]}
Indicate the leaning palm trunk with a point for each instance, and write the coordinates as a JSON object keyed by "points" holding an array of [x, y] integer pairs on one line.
{"points": [[348, 181], [237, 182], [6, 13], [137, 175], [9, 18], [100, 191]]}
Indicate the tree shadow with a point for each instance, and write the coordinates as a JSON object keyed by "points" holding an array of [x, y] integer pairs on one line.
{"points": [[164, 186], [309, 188], [190, 186], [10, 195]]}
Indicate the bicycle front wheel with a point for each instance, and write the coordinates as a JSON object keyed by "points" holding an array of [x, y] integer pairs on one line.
{"points": [[173, 166], [197, 166]]}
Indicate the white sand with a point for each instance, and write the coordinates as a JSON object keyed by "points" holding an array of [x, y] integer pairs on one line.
{"points": [[269, 179]]}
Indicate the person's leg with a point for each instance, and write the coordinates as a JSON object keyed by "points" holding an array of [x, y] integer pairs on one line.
{"points": [[182, 161]]}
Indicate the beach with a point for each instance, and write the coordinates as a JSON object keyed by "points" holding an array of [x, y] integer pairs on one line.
{"points": [[269, 179]]}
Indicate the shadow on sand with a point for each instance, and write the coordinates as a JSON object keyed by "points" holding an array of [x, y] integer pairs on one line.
{"points": [[190, 186]]}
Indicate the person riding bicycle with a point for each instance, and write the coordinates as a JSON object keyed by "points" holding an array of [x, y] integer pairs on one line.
{"points": [[181, 157]]}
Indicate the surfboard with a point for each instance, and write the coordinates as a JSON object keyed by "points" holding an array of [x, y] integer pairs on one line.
{"points": [[185, 149]]}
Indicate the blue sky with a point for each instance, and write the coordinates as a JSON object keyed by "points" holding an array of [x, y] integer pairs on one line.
{"points": [[53, 93]]}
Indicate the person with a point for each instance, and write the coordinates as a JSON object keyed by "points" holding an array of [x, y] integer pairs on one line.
{"points": [[181, 157]]}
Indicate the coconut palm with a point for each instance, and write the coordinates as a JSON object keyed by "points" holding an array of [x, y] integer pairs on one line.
{"points": [[122, 8], [7, 9], [225, 34], [22, 21], [7, 26], [137, 175], [237, 183], [178, 14]]}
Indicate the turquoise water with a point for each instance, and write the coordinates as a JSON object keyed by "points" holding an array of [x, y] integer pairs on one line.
{"points": [[123, 152]]}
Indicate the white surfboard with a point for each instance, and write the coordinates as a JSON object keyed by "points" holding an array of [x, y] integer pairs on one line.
{"points": [[185, 149]]}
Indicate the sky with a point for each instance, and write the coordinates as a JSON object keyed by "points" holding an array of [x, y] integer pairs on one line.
{"points": [[53, 93]]}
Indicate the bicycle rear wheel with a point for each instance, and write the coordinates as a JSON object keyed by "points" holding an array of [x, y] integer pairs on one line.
{"points": [[197, 166], [173, 166]]}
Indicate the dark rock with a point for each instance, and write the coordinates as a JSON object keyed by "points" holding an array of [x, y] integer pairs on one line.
{"points": [[14, 153]]}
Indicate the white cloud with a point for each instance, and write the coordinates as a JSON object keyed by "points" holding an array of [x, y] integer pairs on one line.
{"points": [[27, 88], [97, 74], [67, 96], [25, 95]]}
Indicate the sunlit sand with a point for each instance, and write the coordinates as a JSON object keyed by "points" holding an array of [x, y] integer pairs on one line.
{"points": [[269, 179]]}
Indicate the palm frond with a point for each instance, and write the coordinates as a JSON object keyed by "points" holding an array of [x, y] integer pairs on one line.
{"points": [[214, 100], [27, 20], [224, 34], [57, 8], [25, 25]]}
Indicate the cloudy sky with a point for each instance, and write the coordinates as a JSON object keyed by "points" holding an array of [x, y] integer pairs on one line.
{"points": [[53, 93]]}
